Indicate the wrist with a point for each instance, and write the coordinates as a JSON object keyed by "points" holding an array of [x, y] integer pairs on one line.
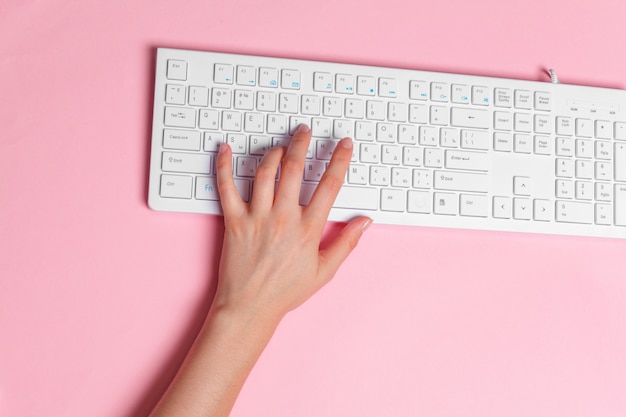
{"points": [[243, 323]]}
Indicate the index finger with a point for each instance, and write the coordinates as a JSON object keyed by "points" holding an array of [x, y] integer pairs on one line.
{"points": [[331, 182]]}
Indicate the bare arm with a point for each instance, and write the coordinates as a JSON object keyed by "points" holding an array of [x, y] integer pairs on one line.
{"points": [[271, 263]]}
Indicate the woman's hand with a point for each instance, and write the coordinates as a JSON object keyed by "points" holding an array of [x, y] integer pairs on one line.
{"points": [[271, 258]]}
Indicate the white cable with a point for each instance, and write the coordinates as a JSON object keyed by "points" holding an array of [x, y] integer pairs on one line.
{"points": [[553, 77]]}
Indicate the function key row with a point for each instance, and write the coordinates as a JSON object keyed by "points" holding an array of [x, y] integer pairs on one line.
{"points": [[325, 82]]}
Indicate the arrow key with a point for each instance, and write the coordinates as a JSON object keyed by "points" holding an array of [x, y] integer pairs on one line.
{"points": [[521, 185], [501, 207], [542, 210], [521, 208]]}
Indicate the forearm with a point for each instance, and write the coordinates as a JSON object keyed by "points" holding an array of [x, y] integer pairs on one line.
{"points": [[225, 351]]}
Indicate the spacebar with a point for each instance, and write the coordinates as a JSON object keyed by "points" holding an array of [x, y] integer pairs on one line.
{"points": [[359, 198]]}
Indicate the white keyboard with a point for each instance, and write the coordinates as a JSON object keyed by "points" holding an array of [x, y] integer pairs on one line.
{"points": [[431, 149]]}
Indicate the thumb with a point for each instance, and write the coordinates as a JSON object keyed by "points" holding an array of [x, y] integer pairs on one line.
{"points": [[338, 250]]}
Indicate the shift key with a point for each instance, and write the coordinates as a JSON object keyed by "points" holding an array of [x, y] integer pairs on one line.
{"points": [[186, 162], [461, 181]]}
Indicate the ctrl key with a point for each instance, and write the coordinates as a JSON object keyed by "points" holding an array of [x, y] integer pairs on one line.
{"points": [[176, 186]]}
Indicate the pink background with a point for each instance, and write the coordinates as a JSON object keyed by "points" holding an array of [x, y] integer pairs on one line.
{"points": [[100, 297]]}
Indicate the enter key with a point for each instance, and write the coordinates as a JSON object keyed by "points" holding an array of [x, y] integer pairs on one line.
{"points": [[620, 204], [470, 161]]}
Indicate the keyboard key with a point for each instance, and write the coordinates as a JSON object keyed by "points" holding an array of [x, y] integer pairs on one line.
{"points": [[392, 200], [231, 121], [574, 212], [460, 94], [619, 161], [354, 108], [521, 185], [246, 166], [542, 210], [176, 70], [198, 96], [502, 120], [244, 100], [223, 74], [461, 181], [268, 77], [176, 186], [419, 202], [620, 205], [503, 97], [344, 84], [523, 99], [604, 214], [366, 86], [288, 103], [363, 198], [266, 101], [209, 119], [221, 98], [474, 205], [521, 208], [470, 161], [184, 140], [564, 126], [542, 145], [212, 141], [206, 188], [439, 115], [418, 113], [502, 141], [387, 87], [584, 128], [446, 203], [175, 94], [400, 177], [312, 105], [418, 90], [564, 189], [620, 131], [464, 117], [323, 82], [543, 101], [604, 192], [439, 92], [180, 117], [604, 129], [481, 95], [522, 122], [502, 207], [290, 79], [246, 75], [186, 162], [543, 124], [376, 110]]}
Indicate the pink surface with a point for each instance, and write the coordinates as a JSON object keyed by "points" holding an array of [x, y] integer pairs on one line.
{"points": [[100, 297]]}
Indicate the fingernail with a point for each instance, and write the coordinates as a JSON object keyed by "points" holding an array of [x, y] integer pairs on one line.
{"points": [[302, 129], [346, 143], [221, 149], [367, 224]]}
